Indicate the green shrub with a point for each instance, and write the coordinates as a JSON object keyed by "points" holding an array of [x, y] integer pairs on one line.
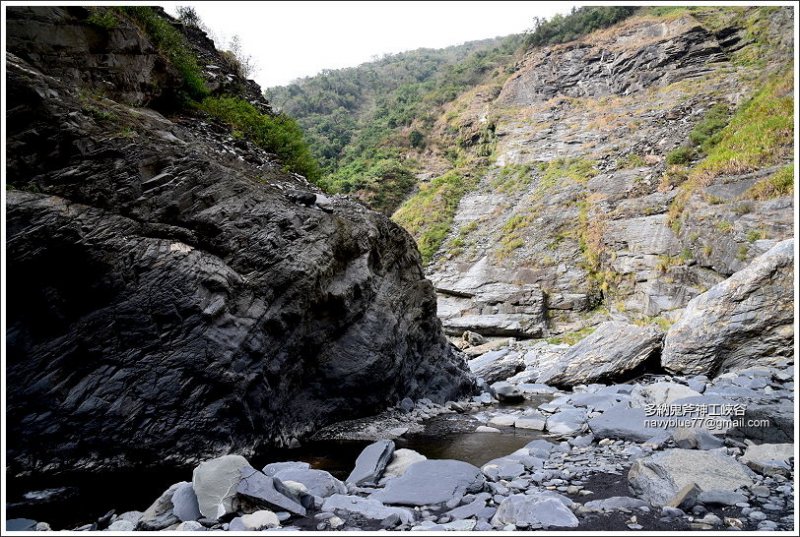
{"points": [[278, 134], [381, 184], [707, 133], [103, 18], [781, 183], [680, 156], [428, 215], [582, 21], [171, 44], [416, 139]]}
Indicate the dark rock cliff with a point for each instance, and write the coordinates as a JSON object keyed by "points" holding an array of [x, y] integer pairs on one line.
{"points": [[169, 298]]}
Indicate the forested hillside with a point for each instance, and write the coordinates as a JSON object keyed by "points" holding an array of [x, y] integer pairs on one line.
{"points": [[369, 125]]}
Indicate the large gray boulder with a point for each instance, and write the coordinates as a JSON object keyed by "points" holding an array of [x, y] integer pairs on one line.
{"points": [[526, 511], [496, 365], [743, 321], [215, 482], [184, 503], [432, 482], [769, 459], [613, 350], [660, 477], [625, 423], [317, 482], [171, 295]]}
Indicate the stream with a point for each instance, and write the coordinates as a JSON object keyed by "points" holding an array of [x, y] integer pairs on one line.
{"points": [[69, 500]]}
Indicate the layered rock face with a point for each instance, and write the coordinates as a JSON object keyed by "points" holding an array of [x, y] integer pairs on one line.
{"points": [[171, 295], [575, 211]]}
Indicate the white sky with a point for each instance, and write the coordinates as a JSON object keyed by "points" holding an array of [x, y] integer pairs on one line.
{"points": [[289, 40]]}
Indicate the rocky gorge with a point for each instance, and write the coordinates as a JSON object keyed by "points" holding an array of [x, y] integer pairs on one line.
{"points": [[602, 340]]}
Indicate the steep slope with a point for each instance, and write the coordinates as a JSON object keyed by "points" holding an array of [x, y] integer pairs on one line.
{"points": [[370, 125], [629, 171], [173, 293]]}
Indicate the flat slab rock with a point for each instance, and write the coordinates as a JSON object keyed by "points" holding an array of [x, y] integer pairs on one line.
{"points": [[432, 482], [371, 462], [368, 508], [660, 477], [264, 490]]}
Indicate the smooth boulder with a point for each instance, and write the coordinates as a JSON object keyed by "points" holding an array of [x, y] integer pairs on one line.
{"points": [[526, 511], [215, 481], [184, 503], [660, 477], [743, 321]]}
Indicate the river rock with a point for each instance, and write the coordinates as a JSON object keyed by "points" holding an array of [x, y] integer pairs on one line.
{"points": [[625, 423], [611, 351], [695, 438], [534, 421], [264, 491], [184, 503], [159, 515], [660, 393], [503, 468], [401, 460], [503, 420], [260, 520], [615, 503], [659, 477], [769, 459], [496, 365], [721, 497], [121, 525], [473, 338], [215, 482], [507, 393], [472, 509], [368, 508], [371, 462], [273, 468], [190, 525], [317, 482], [432, 482], [567, 422], [743, 321], [524, 510]]}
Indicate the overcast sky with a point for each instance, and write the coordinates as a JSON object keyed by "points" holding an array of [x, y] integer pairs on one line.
{"points": [[289, 40]]}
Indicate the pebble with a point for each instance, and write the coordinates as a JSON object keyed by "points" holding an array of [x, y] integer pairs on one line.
{"points": [[757, 515]]}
